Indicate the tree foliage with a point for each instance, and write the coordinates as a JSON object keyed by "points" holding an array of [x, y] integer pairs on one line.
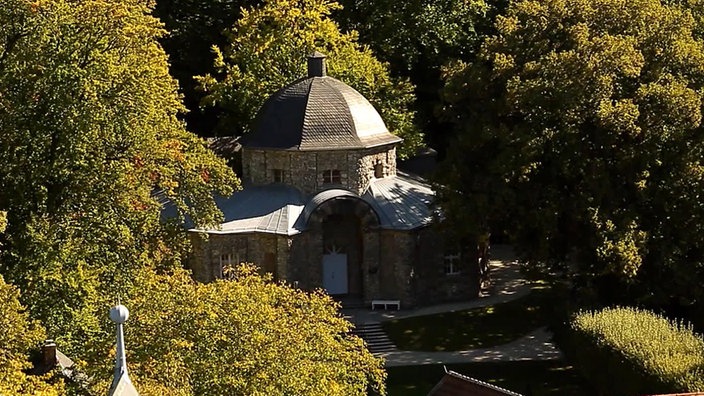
{"points": [[241, 336], [194, 27], [580, 127], [18, 335], [269, 45], [629, 351], [418, 37], [417, 33], [88, 134]]}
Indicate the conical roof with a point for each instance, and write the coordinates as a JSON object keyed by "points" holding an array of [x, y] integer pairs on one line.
{"points": [[318, 113]]}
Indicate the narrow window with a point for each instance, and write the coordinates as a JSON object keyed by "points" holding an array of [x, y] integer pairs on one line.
{"points": [[452, 263], [225, 262], [378, 170], [278, 175], [332, 176], [225, 259]]}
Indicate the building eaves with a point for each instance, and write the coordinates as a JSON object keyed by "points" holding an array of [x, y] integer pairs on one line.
{"points": [[401, 203], [263, 209]]}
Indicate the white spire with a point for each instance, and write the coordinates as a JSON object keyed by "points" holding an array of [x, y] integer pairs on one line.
{"points": [[121, 384]]}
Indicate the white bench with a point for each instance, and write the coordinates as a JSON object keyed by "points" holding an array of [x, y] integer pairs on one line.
{"points": [[386, 304]]}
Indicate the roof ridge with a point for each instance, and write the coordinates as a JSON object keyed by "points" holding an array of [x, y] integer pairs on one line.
{"points": [[347, 111], [482, 383], [306, 113], [318, 114], [254, 138]]}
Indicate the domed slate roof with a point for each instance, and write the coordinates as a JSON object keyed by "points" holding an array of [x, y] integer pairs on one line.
{"points": [[318, 113]]}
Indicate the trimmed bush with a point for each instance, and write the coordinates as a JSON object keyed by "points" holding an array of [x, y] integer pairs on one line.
{"points": [[627, 351]]}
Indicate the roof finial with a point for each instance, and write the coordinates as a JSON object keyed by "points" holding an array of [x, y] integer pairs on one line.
{"points": [[316, 65], [121, 384]]}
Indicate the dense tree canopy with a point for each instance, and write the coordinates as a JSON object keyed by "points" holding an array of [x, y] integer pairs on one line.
{"points": [[413, 33], [580, 124], [88, 134], [268, 48], [416, 38], [18, 335], [242, 336], [194, 26]]}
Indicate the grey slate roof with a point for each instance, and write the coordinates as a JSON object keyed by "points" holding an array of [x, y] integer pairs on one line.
{"points": [[269, 209], [318, 113], [400, 203], [224, 146]]}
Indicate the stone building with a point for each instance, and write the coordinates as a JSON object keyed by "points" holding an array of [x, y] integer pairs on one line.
{"points": [[324, 205]]}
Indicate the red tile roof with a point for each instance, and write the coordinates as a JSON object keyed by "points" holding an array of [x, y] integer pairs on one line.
{"points": [[455, 384]]}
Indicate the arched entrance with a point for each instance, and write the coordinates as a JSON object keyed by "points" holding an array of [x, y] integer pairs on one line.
{"points": [[342, 254], [341, 219]]}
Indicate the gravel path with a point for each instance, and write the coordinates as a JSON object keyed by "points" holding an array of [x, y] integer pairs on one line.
{"points": [[507, 284]]}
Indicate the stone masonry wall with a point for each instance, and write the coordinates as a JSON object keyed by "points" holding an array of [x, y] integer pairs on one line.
{"points": [[403, 265], [431, 283], [304, 169], [305, 262], [267, 251], [412, 269], [366, 164]]}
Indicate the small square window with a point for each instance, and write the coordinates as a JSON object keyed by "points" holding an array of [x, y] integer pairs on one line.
{"points": [[332, 177], [278, 175], [452, 264]]}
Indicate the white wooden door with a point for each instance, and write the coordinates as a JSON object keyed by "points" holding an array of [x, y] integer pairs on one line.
{"points": [[335, 273]]}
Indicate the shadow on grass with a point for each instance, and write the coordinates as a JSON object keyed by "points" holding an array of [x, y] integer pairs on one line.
{"points": [[476, 328], [537, 378]]}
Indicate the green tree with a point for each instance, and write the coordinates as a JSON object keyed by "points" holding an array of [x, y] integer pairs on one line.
{"points": [[240, 336], [194, 27], [580, 127], [18, 336], [418, 37], [412, 33], [268, 49], [90, 149]]}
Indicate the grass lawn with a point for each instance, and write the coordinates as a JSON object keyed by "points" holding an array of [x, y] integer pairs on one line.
{"points": [[475, 328], [536, 378]]}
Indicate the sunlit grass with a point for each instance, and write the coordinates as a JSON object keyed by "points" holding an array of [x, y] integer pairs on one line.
{"points": [[475, 328]]}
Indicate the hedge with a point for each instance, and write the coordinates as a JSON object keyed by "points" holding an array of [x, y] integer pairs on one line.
{"points": [[627, 351]]}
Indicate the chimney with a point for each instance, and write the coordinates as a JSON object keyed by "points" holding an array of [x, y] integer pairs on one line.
{"points": [[316, 65], [48, 357]]}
